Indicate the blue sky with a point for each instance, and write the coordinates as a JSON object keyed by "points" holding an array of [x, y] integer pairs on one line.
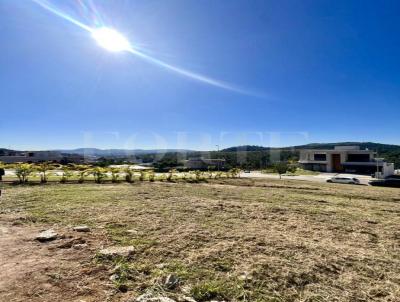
{"points": [[316, 71]]}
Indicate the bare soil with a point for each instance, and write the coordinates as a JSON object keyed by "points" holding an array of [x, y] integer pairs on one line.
{"points": [[34, 271]]}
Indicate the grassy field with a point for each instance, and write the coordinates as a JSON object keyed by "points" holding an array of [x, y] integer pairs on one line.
{"points": [[231, 239]]}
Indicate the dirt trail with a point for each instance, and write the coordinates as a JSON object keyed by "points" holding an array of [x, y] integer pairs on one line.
{"points": [[33, 271]]}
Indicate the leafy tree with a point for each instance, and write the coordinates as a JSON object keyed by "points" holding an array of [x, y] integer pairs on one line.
{"points": [[198, 174], [114, 174], [43, 168], [23, 171], [2, 171], [66, 174], [170, 175], [142, 176], [82, 171], [99, 174], [161, 177], [281, 168], [235, 172], [151, 176], [292, 168], [129, 175]]}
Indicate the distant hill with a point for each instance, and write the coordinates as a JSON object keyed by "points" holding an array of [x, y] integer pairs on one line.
{"points": [[363, 145], [245, 148], [4, 151], [117, 152]]}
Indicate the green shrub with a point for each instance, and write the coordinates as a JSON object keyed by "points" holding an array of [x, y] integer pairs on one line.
{"points": [[23, 171], [129, 176], [209, 290], [99, 174], [114, 174], [151, 176]]}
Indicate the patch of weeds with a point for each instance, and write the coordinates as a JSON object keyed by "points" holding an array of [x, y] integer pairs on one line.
{"points": [[145, 268], [300, 280], [25, 220], [120, 235], [122, 271], [315, 298], [122, 274], [209, 290], [176, 268], [44, 217], [223, 265]]}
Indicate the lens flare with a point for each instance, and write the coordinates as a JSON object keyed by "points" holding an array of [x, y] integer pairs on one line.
{"points": [[110, 39], [114, 41]]}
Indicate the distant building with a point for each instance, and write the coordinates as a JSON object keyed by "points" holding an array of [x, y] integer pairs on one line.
{"points": [[204, 164], [31, 157], [347, 159]]}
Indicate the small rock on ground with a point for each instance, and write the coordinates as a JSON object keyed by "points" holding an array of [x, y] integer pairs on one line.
{"points": [[82, 228], [152, 298], [171, 281], [80, 246], [47, 235], [117, 251]]}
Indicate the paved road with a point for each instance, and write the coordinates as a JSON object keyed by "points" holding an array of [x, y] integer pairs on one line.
{"points": [[322, 177]]}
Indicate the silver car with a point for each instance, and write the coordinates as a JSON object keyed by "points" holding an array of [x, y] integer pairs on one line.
{"points": [[344, 180]]}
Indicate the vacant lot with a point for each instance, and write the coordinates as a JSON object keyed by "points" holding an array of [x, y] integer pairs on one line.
{"points": [[231, 240]]}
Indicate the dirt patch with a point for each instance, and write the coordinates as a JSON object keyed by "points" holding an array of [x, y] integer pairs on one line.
{"points": [[53, 271]]}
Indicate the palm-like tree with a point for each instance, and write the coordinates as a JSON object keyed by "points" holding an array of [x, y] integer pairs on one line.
{"points": [[43, 168], [171, 174], [82, 171], [129, 176], [114, 174], [22, 171], [66, 174], [142, 176], [235, 172], [198, 174], [151, 175], [99, 174]]}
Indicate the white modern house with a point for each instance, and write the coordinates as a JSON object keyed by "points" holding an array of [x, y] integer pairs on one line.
{"points": [[345, 159]]}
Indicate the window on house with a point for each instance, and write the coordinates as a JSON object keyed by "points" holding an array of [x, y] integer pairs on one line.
{"points": [[320, 157], [358, 157]]}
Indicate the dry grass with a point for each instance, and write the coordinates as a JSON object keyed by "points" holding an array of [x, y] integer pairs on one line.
{"points": [[239, 239]]}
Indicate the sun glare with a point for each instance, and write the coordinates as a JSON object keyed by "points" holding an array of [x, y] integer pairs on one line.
{"points": [[110, 39]]}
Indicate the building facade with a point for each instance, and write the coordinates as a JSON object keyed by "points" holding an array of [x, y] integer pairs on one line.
{"points": [[345, 159], [31, 157]]}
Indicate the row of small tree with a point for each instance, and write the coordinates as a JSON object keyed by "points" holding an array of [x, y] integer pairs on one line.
{"points": [[24, 171]]}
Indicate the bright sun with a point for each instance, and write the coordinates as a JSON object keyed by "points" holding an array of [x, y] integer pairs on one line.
{"points": [[110, 39]]}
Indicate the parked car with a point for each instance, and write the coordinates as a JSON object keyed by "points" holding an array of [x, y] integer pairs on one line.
{"points": [[393, 182], [344, 180]]}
